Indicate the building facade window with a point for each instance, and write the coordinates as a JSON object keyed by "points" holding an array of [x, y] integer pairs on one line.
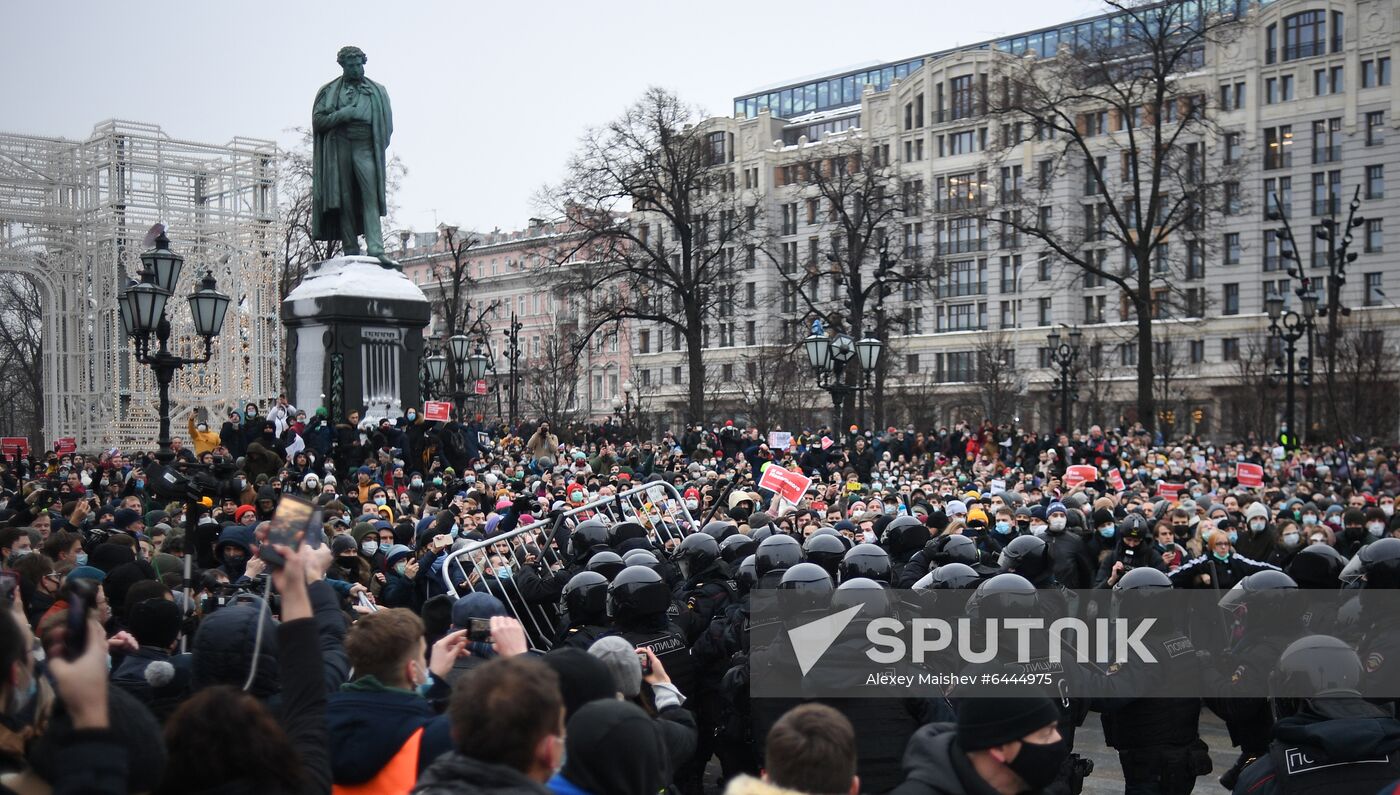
{"points": [[1232, 248], [1304, 35], [1230, 300]]}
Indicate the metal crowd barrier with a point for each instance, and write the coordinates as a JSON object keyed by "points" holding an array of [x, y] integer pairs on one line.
{"points": [[656, 506]]}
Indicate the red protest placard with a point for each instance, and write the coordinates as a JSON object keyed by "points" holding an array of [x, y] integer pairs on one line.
{"points": [[1080, 473], [66, 445], [826, 442], [13, 446], [785, 483], [1115, 479], [1170, 490], [481, 386], [437, 411], [1250, 475]]}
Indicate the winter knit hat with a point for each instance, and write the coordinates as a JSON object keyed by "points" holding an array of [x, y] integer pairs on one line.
{"points": [[988, 722], [621, 658]]}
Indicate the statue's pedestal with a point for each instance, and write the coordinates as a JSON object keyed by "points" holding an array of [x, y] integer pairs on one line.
{"points": [[356, 338]]}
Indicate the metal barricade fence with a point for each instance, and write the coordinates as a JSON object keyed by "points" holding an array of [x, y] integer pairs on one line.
{"points": [[526, 592]]}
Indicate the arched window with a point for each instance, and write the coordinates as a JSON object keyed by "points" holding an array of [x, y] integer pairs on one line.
{"points": [[1304, 35]]}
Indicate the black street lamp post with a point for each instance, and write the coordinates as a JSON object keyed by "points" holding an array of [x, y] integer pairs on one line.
{"points": [[142, 310], [829, 355], [512, 335], [459, 348], [1063, 355], [1290, 326], [435, 365], [1338, 236]]}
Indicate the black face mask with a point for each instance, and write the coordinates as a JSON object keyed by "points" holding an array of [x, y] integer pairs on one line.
{"points": [[1038, 764]]}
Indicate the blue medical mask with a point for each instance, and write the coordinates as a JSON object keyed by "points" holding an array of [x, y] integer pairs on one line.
{"points": [[503, 572], [1003, 527], [381, 501], [1108, 531], [1233, 536], [81, 560]]}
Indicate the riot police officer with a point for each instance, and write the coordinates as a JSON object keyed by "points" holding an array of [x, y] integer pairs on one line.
{"points": [[637, 603], [705, 588], [1158, 739], [585, 607], [1267, 631], [1327, 738]]}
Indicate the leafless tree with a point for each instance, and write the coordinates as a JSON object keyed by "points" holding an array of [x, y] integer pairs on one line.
{"points": [[21, 356], [857, 257], [1367, 380], [1172, 366], [916, 400], [1253, 402], [451, 301], [551, 383], [776, 389], [1125, 136], [663, 262], [998, 378]]}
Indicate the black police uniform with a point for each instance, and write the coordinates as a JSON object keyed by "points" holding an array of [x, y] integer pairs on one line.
{"points": [[1331, 746]]}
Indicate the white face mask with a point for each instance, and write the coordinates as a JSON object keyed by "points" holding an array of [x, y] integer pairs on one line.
{"points": [[868, 536], [1375, 529], [1256, 525], [1057, 523], [369, 547], [692, 505], [1388, 508], [1038, 529], [1290, 540]]}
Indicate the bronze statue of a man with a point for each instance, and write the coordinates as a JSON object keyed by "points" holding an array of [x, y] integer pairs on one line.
{"points": [[351, 125]]}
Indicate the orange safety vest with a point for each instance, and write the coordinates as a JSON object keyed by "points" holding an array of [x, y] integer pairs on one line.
{"points": [[397, 777]]}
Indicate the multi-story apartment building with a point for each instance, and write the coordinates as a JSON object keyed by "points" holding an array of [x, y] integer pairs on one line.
{"points": [[513, 278], [1301, 94]]}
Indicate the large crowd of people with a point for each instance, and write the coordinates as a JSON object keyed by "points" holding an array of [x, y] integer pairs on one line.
{"points": [[480, 609]]}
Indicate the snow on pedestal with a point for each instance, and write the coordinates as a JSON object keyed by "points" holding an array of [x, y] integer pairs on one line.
{"points": [[356, 338]]}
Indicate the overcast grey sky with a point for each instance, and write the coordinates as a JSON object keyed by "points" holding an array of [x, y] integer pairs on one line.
{"points": [[488, 98]]}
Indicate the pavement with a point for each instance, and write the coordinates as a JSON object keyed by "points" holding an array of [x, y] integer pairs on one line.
{"points": [[1108, 776]]}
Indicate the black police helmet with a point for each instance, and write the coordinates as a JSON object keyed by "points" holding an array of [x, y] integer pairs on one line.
{"points": [[1378, 562], [806, 577], [585, 598], [719, 530], [1313, 666], [905, 534], [1028, 556], [746, 575], [624, 531], [736, 547], [873, 597], [587, 537], [777, 553], [1143, 577], [825, 550], [868, 561], [952, 549], [607, 563], [955, 576], [641, 557], [1006, 595], [697, 552], [1317, 566], [637, 592]]}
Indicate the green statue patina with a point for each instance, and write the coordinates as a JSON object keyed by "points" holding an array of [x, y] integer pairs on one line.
{"points": [[351, 124]]}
